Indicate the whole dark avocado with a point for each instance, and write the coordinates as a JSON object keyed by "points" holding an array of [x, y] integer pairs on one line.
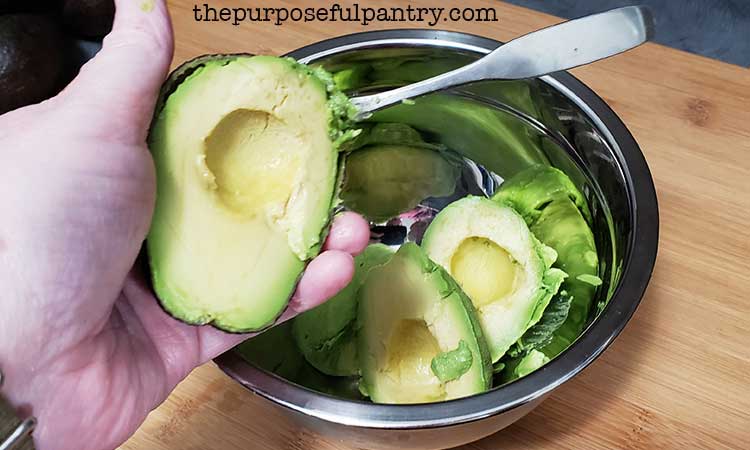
{"points": [[89, 18], [31, 60], [28, 6]]}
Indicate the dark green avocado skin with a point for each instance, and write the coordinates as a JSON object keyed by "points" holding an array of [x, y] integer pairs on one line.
{"points": [[89, 18], [31, 60], [28, 6]]}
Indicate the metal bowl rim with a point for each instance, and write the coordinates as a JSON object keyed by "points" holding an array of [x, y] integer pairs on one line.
{"points": [[638, 265]]}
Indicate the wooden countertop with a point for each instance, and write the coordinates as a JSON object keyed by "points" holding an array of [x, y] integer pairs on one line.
{"points": [[678, 375]]}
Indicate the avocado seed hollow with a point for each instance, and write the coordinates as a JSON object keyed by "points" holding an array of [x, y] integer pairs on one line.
{"points": [[484, 270], [251, 160]]}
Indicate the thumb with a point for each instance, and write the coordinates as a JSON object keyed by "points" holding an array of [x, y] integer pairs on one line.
{"points": [[125, 76]]}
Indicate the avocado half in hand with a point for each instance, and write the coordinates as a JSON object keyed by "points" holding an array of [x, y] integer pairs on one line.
{"points": [[419, 339], [245, 149], [488, 248]]}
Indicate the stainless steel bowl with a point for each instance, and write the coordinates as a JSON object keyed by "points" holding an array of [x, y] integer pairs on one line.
{"points": [[576, 132]]}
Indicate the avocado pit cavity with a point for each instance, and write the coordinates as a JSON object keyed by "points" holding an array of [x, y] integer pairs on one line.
{"points": [[410, 350], [485, 271], [238, 165]]}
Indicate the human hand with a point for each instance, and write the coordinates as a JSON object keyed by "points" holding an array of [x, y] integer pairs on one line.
{"points": [[84, 345]]}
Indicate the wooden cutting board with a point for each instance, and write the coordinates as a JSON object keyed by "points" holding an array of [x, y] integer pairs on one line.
{"points": [[678, 375]]}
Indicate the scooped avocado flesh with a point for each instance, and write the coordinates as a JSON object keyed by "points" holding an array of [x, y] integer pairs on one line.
{"points": [[520, 367], [246, 166], [326, 334], [558, 215], [491, 253], [413, 316], [562, 227], [531, 189]]}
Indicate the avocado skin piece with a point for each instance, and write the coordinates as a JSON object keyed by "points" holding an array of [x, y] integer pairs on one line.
{"points": [[558, 215], [326, 334], [447, 293], [29, 6], [172, 297], [31, 60], [89, 18]]}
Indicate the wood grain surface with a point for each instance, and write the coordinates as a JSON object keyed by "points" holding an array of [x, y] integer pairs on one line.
{"points": [[678, 375]]}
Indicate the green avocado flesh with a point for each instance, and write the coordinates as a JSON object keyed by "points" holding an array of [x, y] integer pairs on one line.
{"points": [[416, 332], [530, 190], [562, 227], [384, 180], [520, 367], [557, 214], [246, 164], [449, 366], [326, 334], [490, 251]]}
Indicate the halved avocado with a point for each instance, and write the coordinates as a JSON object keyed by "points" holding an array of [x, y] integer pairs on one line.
{"points": [[419, 338], [498, 262], [326, 335], [246, 163]]}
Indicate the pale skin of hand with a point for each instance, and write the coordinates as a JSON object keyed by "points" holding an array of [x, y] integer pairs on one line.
{"points": [[84, 344]]}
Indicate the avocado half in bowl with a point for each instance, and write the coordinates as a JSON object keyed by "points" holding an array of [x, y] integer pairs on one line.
{"points": [[490, 133]]}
